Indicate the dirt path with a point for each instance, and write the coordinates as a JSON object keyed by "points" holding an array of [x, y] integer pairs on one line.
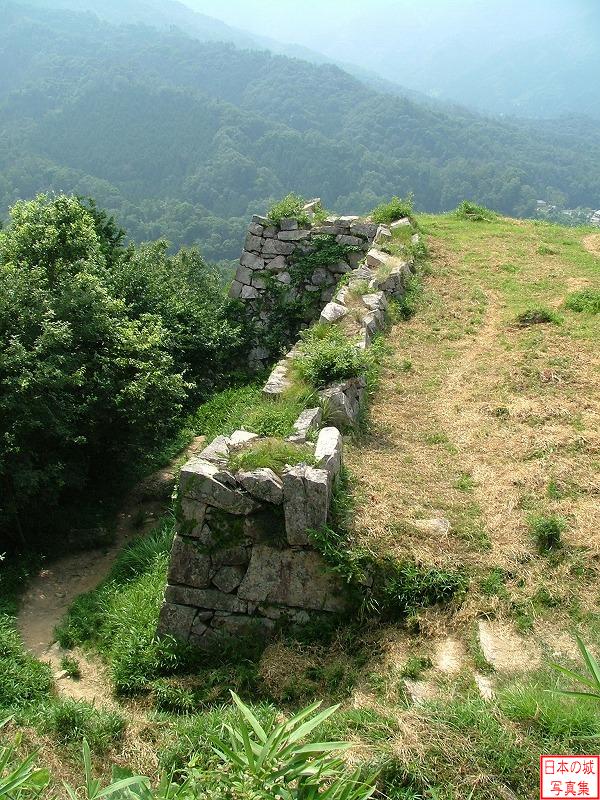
{"points": [[53, 590]]}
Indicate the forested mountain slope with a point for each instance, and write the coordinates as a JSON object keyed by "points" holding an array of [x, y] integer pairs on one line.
{"points": [[184, 139]]}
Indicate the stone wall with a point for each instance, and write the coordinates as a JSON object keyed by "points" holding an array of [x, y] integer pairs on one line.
{"points": [[242, 561], [268, 260]]}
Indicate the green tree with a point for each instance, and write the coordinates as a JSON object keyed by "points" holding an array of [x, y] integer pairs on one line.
{"points": [[84, 383]]}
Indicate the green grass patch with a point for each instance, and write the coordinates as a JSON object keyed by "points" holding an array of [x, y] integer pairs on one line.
{"points": [[547, 532], [274, 454], [120, 616], [396, 209], [326, 356], [246, 408], [471, 212], [585, 301], [537, 316], [24, 681], [289, 207], [70, 721], [71, 666]]}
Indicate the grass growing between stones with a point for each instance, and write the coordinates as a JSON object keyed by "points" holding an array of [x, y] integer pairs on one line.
{"points": [[273, 454]]}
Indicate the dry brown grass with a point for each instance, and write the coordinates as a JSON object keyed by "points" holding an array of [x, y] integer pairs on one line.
{"points": [[488, 422]]}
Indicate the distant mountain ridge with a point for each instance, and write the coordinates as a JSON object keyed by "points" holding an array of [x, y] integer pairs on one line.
{"points": [[185, 139]]}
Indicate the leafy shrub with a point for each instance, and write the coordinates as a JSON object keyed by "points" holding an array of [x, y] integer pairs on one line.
{"points": [[23, 679], [589, 681], [195, 736], [273, 454], [584, 301], [324, 253], [291, 207], [547, 532], [277, 762], [471, 212], [72, 720], [537, 316], [396, 209], [326, 356], [19, 777], [100, 349]]}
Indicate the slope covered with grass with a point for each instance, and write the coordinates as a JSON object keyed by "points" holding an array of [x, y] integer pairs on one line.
{"points": [[480, 460]]}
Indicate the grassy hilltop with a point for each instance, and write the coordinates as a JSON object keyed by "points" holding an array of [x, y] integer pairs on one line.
{"points": [[477, 472]]}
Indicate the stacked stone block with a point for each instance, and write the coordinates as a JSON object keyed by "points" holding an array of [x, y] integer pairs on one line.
{"points": [[242, 560], [269, 255], [385, 276]]}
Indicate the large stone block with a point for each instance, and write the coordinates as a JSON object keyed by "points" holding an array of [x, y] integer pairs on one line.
{"points": [[377, 258], [293, 578], [176, 620], [366, 229], [190, 517], [263, 484], [249, 293], [333, 312], [235, 290], [278, 380], [228, 578], [277, 264], [203, 481], [243, 627], [401, 223], [277, 248], [376, 301], [308, 422], [293, 236], [253, 243], [259, 280], [252, 261], [188, 566], [305, 502], [244, 275], [351, 241], [206, 599], [217, 452], [329, 451]]}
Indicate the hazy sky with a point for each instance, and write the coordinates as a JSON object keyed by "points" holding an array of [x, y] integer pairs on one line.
{"points": [[315, 20]]}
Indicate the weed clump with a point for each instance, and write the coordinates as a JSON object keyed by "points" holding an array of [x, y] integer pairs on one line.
{"points": [[290, 207], [71, 666], [585, 301], [396, 209], [327, 356], [547, 532], [537, 316], [471, 212], [69, 721]]}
